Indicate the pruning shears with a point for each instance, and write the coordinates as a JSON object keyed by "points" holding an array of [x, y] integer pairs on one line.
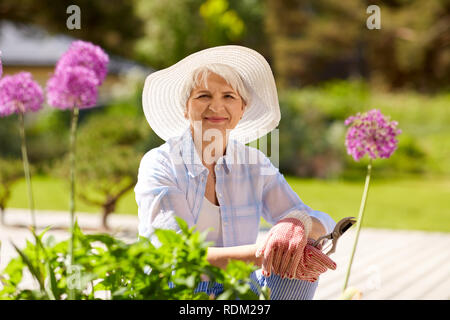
{"points": [[342, 226]]}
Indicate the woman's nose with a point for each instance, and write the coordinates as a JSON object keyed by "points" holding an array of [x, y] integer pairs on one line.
{"points": [[216, 105]]}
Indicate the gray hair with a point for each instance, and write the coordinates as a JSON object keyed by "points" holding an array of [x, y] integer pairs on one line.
{"points": [[225, 71]]}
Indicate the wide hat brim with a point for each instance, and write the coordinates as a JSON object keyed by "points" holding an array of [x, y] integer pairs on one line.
{"points": [[161, 98]]}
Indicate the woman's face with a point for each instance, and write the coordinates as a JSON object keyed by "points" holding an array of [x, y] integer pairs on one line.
{"points": [[220, 107]]}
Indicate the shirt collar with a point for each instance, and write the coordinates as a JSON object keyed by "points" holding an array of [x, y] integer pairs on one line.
{"points": [[193, 161]]}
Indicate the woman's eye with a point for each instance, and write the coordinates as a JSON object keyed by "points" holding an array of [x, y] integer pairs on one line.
{"points": [[229, 96], [203, 95]]}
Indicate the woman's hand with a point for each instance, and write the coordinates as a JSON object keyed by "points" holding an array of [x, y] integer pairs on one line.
{"points": [[288, 251], [313, 263], [283, 248]]}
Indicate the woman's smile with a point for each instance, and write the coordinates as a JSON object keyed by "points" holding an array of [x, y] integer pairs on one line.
{"points": [[216, 119]]}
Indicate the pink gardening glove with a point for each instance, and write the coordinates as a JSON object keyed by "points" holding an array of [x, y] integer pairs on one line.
{"points": [[313, 263], [283, 248]]}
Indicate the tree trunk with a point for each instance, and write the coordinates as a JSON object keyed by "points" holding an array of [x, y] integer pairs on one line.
{"points": [[2, 215], [108, 207], [111, 202], [3, 202]]}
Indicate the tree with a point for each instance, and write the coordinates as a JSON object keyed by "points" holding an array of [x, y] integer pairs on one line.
{"points": [[177, 28], [316, 40], [412, 48], [109, 150], [313, 41], [157, 33], [111, 24], [109, 159]]}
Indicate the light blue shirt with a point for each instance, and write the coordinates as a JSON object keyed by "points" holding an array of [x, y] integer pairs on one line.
{"points": [[172, 181]]}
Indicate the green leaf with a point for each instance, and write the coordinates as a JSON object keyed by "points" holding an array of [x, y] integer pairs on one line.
{"points": [[50, 241], [119, 292], [167, 237], [14, 270], [183, 225], [107, 239], [35, 272], [52, 291], [225, 295], [38, 239]]}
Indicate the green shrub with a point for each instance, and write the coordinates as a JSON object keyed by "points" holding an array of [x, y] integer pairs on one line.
{"points": [[107, 264], [312, 127], [312, 131]]}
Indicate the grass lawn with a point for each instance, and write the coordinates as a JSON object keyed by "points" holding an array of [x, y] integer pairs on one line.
{"points": [[413, 203], [53, 194]]}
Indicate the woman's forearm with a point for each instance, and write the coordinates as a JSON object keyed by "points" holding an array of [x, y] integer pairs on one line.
{"points": [[220, 257]]}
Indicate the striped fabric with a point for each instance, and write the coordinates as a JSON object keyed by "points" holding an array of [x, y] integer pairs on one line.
{"points": [[172, 181], [280, 289], [284, 289]]}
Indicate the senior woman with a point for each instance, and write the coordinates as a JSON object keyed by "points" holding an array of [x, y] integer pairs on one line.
{"points": [[207, 107]]}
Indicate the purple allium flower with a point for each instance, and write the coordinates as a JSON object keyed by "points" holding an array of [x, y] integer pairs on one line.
{"points": [[72, 87], [19, 93], [372, 133], [85, 54]]}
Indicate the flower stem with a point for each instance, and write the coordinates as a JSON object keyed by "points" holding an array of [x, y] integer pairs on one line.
{"points": [[73, 131], [359, 223], [26, 168]]}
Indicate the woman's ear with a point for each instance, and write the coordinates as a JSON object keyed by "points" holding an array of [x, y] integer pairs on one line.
{"points": [[244, 106]]}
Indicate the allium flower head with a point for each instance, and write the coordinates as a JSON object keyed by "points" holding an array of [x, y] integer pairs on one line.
{"points": [[85, 54], [72, 87], [371, 133], [19, 93]]}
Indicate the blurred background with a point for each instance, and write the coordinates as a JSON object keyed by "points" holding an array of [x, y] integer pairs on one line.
{"points": [[327, 64]]}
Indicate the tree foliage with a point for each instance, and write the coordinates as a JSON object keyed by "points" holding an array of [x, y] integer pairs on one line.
{"points": [[11, 170], [113, 25], [177, 28], [317, 40], [306, 41], [109, 149]]}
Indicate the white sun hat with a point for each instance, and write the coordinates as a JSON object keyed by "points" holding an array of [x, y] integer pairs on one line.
{"points": [[161, 98]]}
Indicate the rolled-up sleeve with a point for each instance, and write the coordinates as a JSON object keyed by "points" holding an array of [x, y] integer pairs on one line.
{"points": [[279, 199], [158, 197]]}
